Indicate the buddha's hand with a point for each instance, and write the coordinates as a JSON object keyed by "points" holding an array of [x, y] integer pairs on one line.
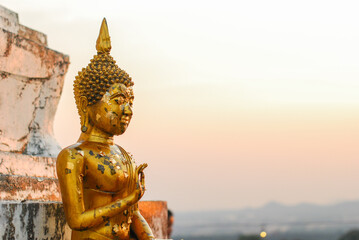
{"points": [[140, 187]]}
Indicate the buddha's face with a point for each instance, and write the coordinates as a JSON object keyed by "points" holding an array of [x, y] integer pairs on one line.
{"points": [[113, 113]]}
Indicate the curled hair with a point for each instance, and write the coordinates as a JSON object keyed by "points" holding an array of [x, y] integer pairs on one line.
{"points": [[94, 80]]}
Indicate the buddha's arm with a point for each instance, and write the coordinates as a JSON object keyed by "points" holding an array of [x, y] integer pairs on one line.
{"points": [[70, 170], [140, 226]]}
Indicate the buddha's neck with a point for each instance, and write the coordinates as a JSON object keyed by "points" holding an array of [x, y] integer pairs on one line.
{"points": [[94, 134]]}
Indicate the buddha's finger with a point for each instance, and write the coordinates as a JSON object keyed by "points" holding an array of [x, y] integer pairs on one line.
{"points": [[142, 167], [143, 180]]}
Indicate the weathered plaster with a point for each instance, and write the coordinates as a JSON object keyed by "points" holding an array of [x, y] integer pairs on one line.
{"points": [[24, 177], [31, 81], [33, 220], [33, 35], [155, 213], [9, 20], [25, 165]]}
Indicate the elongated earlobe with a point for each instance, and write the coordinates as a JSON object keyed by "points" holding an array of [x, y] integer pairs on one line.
{"points": [[84, 123], [84, 113]]}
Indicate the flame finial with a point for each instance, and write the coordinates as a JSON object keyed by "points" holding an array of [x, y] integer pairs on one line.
{"points": [[103, 43]]}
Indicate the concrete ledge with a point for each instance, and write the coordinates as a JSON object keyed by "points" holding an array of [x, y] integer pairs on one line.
{"points": [[21, 165], [9, 20], [32, 35], [23, 188], [24, 177]]}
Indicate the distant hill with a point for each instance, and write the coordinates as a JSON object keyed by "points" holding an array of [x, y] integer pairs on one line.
{"points": [[274, 217]]}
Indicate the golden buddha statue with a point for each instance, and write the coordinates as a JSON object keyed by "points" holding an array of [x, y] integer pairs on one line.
{"points": [[100, 183]]}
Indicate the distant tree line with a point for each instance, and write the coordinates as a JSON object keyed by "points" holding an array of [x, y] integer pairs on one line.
{"points": [[351, 235], [249, 237]]}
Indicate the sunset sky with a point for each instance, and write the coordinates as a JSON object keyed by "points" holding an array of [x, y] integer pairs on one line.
{"points": [[237, 103]]}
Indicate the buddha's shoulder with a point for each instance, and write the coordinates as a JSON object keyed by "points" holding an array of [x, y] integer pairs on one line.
{"points": [[71, 152], [119, 149]]}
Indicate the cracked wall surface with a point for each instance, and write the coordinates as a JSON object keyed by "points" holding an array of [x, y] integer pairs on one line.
{"points": [[31, 81]]}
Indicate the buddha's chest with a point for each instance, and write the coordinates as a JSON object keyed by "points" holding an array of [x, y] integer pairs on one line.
{"points": [[109, 172]]}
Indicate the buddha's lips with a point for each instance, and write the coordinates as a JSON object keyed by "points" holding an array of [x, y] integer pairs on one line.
{"points": [[125, 119]]}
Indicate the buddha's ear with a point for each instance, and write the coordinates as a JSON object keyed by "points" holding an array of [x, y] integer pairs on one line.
{"points": [[83, 104]]}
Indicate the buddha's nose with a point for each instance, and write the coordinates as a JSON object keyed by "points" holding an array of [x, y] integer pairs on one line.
{"points": [[127, 110]]}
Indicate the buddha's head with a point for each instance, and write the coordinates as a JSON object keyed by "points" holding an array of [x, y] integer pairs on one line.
{"points": [[103, 91]]}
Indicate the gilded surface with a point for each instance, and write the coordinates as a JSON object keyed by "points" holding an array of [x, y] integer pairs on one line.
{"points": [[100, 183]]}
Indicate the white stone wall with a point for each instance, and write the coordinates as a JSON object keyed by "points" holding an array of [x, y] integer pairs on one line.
{"points": [[31, 81]]}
